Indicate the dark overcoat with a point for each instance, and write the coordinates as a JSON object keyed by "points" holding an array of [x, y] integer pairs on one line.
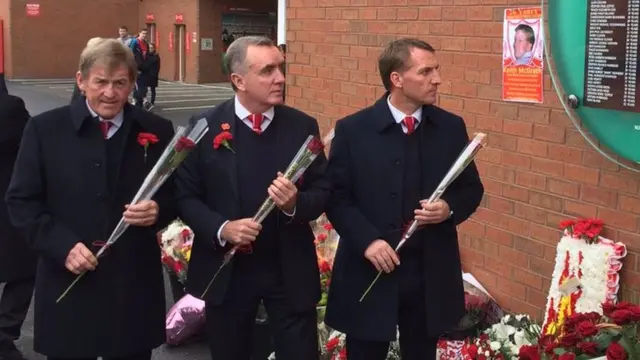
{"points": [[17, 261], [153, 69], [207, 193], [366, 172], [58, 197]]}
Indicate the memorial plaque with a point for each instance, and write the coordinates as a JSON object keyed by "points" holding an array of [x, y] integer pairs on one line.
{"points": [[612, 55]]}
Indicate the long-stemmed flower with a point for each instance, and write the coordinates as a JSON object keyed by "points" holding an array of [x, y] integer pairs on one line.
{"points": [[464, 159], [184, 140], [303, 159]]}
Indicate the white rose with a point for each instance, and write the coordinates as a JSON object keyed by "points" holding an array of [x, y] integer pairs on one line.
{"points": [[495, 345]]}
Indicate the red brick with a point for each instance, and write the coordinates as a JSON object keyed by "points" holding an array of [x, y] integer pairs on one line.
{"points": [[518, 128], [530, 213], [549, 133], [563, 188], [528, 278], [454, 13], [548, 167], [499, 236], [598, 196], [581, 174], [531, 180], [630, 204], [516, 160]]}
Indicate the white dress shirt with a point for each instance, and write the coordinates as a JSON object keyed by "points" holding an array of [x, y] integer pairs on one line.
{"points": [[116, 122], [243, 114], [399, 115]]}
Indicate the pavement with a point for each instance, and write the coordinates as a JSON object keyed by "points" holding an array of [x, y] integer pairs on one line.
{"points": [[176, 102]]}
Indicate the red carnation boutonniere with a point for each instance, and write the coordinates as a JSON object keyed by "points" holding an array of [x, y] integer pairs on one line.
{"points": [[146, 139], [224, 138]]}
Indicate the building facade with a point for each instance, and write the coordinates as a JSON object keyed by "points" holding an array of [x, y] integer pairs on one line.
{"points": [[44, 39], [537, 169]]}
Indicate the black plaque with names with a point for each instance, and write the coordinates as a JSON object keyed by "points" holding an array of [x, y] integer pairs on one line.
{"points": [[612, 55]]}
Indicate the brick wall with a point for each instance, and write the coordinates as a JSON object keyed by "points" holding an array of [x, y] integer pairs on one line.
{"points": [[204, 17], [537, 169], [49, 46], [165, 12]]}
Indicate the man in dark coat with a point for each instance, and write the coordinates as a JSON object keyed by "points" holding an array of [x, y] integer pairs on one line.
{"points": [[140, 48], [384, 160], [77, 169], [17, 261], [219, 190]]}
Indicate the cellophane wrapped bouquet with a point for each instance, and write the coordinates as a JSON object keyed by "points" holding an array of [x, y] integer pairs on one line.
{"points": [[503, 340], [175, 243], [186, 317]]}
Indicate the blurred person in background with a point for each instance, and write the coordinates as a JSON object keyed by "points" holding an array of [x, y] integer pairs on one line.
{"points": [[77, 93], [153, 72], [17, 261], [140, 48]]}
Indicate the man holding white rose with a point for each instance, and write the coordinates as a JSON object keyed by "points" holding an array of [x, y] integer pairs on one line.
{"points": [[384, 161]]}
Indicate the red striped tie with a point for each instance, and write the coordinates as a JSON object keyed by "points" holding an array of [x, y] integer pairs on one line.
{"points": [[410, 123], [257, 119], [105, 126]]}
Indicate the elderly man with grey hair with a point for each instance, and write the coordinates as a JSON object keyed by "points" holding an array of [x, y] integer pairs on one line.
{"points": [[220, 189], [77, 169]]}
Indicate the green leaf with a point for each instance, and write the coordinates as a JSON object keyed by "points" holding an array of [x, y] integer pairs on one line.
{"points": [[629, 348], [584, 357], [559, 351], [603, 339]]}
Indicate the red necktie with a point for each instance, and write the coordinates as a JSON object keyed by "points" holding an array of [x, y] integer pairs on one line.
{"points": [[256, 119], [410, 123], [105, 126]]}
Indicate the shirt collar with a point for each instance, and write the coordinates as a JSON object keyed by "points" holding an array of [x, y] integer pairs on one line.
{"points": [[116, 121], [398, 115], [242, 112]]}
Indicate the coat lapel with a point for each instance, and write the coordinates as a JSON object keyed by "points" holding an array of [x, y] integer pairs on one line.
{"points": [[392, 149], [125, 138], [228, 158], [432, 146]]}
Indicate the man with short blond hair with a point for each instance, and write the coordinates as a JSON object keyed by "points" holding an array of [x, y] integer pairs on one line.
{"points": [[77, 169]]}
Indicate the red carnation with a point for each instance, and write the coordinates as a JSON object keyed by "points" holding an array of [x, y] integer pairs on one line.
{"points": [[528, 352], [586, 328], [472, 350], [635, 313], [616, 352], [223, 139], [315, 146], [588, 347], [622, 316], [567, 223], [328, 226], [322, 237], [145, 139], [547, 343], [608, 308], [324, 267], [569, 339], [332, 344], [184, 143]]}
